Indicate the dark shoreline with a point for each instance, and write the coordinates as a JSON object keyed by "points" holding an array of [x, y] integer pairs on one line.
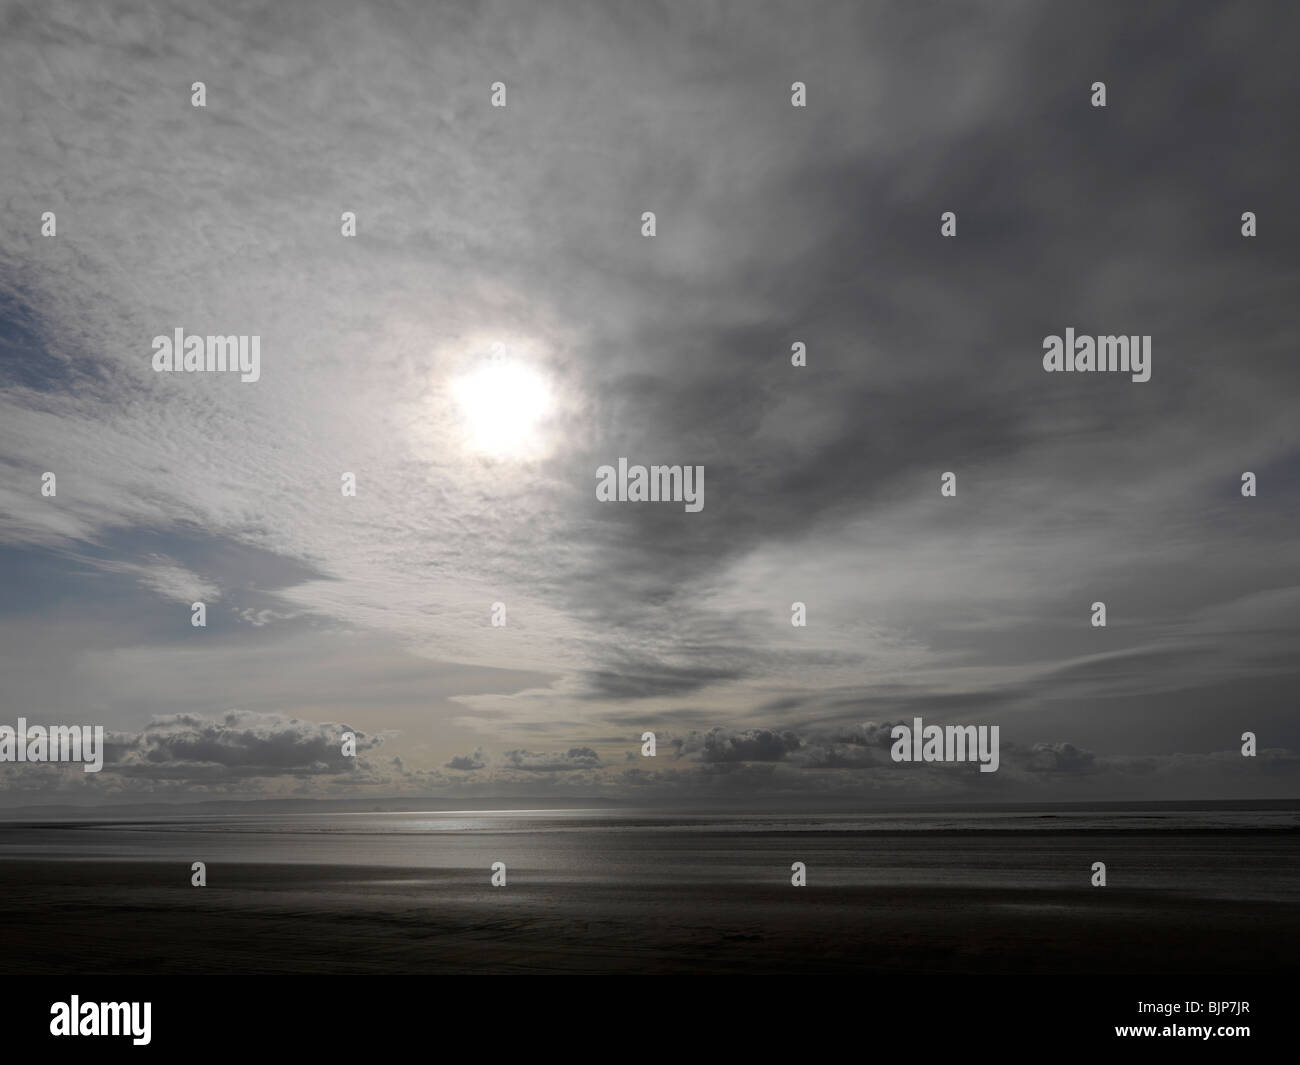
{"points": [[142, 917]]}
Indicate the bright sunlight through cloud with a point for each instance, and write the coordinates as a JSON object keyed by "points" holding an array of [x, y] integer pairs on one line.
{"points": [[504, 404]]}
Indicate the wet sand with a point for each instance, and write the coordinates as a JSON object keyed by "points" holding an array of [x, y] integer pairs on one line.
{"points": [[143, 917]]}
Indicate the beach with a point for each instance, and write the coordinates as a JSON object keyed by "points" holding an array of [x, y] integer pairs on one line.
{"points": [[601, 893]]}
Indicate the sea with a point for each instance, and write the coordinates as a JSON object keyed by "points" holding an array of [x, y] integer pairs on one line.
{"points": [[595, 891]]}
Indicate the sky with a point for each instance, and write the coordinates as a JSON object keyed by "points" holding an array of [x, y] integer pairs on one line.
{"points": [[500, 327]]}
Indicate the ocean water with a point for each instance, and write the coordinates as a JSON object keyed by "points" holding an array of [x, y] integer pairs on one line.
{"points": [[1236, 853]]}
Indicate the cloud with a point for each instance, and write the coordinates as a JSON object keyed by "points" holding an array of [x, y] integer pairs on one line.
{"points": [[551, 762], [476, 759], [750, 745], [818, 225], [1060, 757], [168, 579], [867, 734], [238, 743]]}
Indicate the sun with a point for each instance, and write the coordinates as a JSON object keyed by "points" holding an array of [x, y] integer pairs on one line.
{"points": [[504, 404]]}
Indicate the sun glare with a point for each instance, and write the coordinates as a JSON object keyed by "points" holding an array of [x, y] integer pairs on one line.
{"points": [[504, 404]]}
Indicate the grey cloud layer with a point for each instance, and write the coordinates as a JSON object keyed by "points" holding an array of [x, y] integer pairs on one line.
{"points": [[243, 755], [775, 225]]}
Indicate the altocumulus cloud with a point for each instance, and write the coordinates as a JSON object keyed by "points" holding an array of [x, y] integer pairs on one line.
{"points": [[823, 479]]}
